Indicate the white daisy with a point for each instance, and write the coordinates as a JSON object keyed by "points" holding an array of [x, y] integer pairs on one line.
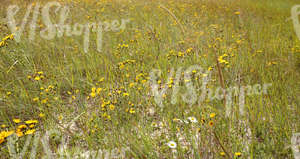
{"points": [[192, 119], [172, 144]]}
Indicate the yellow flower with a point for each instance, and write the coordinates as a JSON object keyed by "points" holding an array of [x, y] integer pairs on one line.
{"points": [[212, 115], [131, 85], [93, 94], [44, 101], [131, 111], [11, 36], [122, 66], [5, 134], [60, 117], [19, 133], [35, 99], [29, 131], [50, 87], [16, 120], [3, 126], [222, 153], [101, 79], [2, 43], [238, 154], [41, 115], [31, 121], [211, 123], [1, 138], [31, 126], [37, 78], [8, 93], [125, 94], [237, 13], [99, 90], [111, 107], [22, 127]]}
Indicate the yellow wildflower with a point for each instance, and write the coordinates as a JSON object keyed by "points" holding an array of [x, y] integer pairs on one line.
{"points": [[41, 115], [22, 127], [1, 138], [5, 134], [237, 13], [19, 133], [212, 115], [99, 90], [125, 94], [211, 123], [35, 99], [44, 101], [131, 111], [37, 78], [16, 120], [222, 153], [93, 94], [237, 154], [111, 107], [31, 121], [29, 131]]}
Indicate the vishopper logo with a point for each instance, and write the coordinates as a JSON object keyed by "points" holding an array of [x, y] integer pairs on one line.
{"points": [[190, 96], [63, 151], [59, 29], [295, 12]]}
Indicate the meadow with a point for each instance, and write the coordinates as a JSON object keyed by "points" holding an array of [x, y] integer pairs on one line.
{"points": [[159, 79]]}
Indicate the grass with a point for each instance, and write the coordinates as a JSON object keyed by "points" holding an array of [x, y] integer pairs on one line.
{"points": [[109, 96]]}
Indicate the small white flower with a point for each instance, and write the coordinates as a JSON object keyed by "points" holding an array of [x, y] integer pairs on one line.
{"points": [[172, 144], [192, 119]]}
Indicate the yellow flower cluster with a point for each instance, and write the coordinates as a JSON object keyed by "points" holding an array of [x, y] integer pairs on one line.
{"points": [[37, 76], [95, 91], [186, 53], [4, 135], [121, 65], [121, 46], [44, 95], [221, 60], [5, 39], [25, 128]]}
